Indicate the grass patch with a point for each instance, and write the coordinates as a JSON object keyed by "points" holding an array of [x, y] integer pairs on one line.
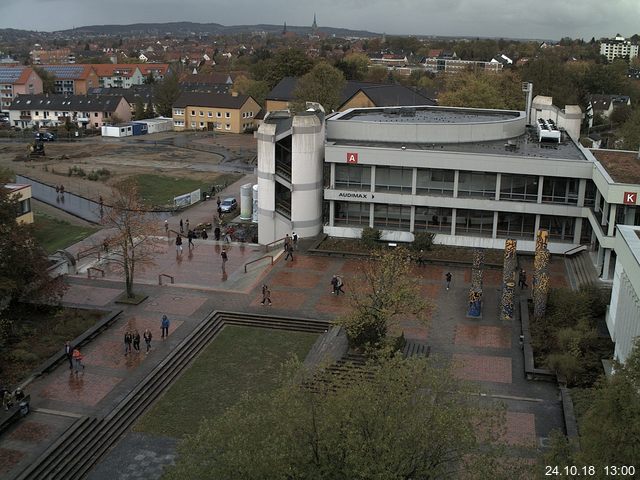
{"points": [[37, 334], [240, 360], [160, 190], [54, 234]]}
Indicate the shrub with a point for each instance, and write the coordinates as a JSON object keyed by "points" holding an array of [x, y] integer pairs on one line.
{"points": [[565, 364], [370, 236], [23, 356], [423, 241]]}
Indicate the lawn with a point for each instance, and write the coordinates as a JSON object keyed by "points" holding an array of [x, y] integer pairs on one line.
{"points": [[160, 190], [240, 360], [37, 334], [54, 234]]}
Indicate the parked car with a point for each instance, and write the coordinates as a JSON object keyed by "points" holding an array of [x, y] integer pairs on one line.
{"points": [[228, 205], [45, 136]]}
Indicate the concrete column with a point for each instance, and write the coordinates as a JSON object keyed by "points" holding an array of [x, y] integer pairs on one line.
{"points": [[612, 219], [498, 181], [332, 176], [456, 179], [453, 221], [577, 230], [414, 185], [605, 213], [332, 210], [371, 215], [536, 227], [494, 232], [599, 257], [596, 207], [412, 221], [605, 264], [540, 185], [582, 190], [373, 179]]}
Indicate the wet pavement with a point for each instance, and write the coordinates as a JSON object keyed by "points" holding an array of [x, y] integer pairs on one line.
{"points": [[485, 351]]}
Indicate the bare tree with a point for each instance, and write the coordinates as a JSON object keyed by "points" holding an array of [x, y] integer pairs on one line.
{"points": [[132, 233]]}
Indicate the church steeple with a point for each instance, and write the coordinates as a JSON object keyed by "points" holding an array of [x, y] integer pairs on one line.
{"points": [[314, 25], [284, 30]]}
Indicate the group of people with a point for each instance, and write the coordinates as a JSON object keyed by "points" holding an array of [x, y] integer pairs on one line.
{"points": [[74, 357], [10, 399], [337, 283], [132, 339], [290, 244]]}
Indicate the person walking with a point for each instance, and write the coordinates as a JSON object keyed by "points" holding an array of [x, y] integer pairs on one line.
{"points": [[68, 352], [190, 236], [287, 242], [186, 224], [339, 285], [166, 227], [181, 226], [136, 340], [164, 326], [522, 279], [204, 234], [294, 237], [218, 201], [447, 277], [334, 284], [224, 257], [147, 338], [289, 252], [179, 244], [77, 361], [266, 295], [216, 233], [128, 340]]}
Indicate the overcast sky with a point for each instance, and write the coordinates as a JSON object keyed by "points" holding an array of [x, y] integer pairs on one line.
{"points": [[549, 19]]}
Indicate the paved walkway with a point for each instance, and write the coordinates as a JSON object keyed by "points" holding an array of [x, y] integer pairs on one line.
{"points": [[485, 351]]}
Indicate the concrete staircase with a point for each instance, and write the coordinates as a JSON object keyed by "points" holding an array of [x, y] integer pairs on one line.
{"points": [[581, 271]]}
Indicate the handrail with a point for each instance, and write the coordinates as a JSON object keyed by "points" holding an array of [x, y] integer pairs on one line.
{"points": [[571, 251], [257, 259], [88, 251], [266, 247], [165, 275], [96, 269]]}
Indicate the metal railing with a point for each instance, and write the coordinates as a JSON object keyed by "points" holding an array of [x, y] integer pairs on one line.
{"points": [[256, 260], [574, 250], [96, 269], [269, 245], [88, 252], [171, 279]]}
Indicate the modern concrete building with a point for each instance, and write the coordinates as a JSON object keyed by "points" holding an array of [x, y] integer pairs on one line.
{"points": [[473, 177], [623, 314], [290, 176]]}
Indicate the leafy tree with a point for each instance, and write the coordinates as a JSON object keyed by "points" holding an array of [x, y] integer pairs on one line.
{"points": [[150, 79], [396, 419], [48, 80], [291, 62], [377, 74], [23, 263], [166, 93], [323, 84], [483, 90], [630, 131], [132, 233], [354, 66], [258, 89], [149, 111], [139, 110], [422, 241], [384, 290], [370, 236], [610, 427]]}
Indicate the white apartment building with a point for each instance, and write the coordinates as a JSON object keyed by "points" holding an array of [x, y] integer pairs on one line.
{"points": [[618, 47]]}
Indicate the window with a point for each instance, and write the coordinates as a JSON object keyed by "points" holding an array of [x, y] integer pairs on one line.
{"points": [[178, 111], [193, 113], [227, 126], [37, 113], [474, 222], [477, 184], [435, 182], [209, 114], [560, 190], [178, 123], [201, 113], [590, 194], [357, 177], [193, 124], [201, 124], [351, 214], [24, 206], [519, 188], [218, 115], [433, 219], [227, 115], [560, 228], [394, 217], [516, 225], [394, 179]]}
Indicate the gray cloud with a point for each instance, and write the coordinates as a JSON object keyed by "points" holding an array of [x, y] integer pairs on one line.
{"points": [[497, 18]]}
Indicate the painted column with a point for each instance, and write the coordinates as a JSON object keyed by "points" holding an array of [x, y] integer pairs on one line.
{"points": [[541, 275], [509, 279], [475, 292]]}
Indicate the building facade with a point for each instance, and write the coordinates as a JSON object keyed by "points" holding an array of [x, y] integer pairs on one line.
{"points": [[72, 79], [22, 193], [215, 112], [16, 81], [456, 65], [618, 47]]}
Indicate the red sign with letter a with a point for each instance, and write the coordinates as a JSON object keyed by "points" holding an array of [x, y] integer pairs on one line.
{"points": [[630, 198], [352, 158]]}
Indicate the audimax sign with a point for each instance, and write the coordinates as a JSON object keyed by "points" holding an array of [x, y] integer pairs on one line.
{"points": [[361, 195]]}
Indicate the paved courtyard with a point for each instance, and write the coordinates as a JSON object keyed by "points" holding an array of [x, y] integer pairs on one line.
{"points": [[485, 351]]}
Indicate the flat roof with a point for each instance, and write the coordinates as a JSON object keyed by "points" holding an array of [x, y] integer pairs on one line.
{"points": [[622, 165], [526, 145], [427, 114]]}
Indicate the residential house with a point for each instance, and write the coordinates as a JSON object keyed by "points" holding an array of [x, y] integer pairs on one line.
{"points": [[502, 59], [448, 62], [604, 105], [143, 92], [157, 70], [389, 59], [118, 75], [73, 79], [211, 83], [86, 111], [17, 81], [213, 111], [22, 193], [57, 56], [353, 95]]}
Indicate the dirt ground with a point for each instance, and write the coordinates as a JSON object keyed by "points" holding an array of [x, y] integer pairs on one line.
{"points": [[122, 158]]}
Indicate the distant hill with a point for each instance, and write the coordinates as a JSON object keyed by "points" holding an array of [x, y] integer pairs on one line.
{"points": [[180, 29]]}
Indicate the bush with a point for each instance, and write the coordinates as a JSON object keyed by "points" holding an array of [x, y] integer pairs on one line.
{"points": [[23, 356], [78, 171], [565, 365], [370, 236], [423, 241]]}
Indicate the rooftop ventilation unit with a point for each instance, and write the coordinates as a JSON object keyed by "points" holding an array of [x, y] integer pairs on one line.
{"points": [[547, 131]]}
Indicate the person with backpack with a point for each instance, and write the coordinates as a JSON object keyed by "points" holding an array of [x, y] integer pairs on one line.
{"points": [[164, 326], [224, 257], [179, 244], [448, 279], [77, 360], [147, 338]]}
